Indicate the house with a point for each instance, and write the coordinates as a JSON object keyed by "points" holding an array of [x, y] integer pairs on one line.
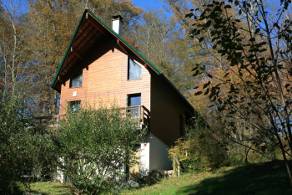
{"points": [[100, 66]]}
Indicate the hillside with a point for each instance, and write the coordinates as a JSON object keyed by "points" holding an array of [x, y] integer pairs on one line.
{"points": [[266, 179], [260, 179]]}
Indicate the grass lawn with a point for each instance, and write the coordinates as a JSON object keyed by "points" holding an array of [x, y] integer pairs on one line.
{"points": [[50, 188], [171, 185], [261, 179]]}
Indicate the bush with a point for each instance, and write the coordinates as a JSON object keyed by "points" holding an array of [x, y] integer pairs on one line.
{"points": [[199, 150], [150, 178], [21, 146], [97, 147]]}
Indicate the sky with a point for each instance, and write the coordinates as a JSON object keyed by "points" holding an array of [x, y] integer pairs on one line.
{"points": [[144, 4], [147, 5], [22, 5]]}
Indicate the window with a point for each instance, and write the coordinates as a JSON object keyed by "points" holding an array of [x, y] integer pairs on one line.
{"points": [[57, 103], [74, 106], [134, 70], [134, 101], [76, 81]]}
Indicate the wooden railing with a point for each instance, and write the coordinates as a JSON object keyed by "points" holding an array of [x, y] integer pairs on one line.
{"points": [[49, 120], [139, 114]]}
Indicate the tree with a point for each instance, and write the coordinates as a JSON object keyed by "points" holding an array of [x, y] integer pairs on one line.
{"points": [[152, 36], [48, 26], [202, 148], [97, 147], [187, 51], [10, 47], [21, 146], [256, 87]]}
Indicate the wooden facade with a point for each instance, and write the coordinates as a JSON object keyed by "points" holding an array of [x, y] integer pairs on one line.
{"points": [[105, 83], [102, 56]]}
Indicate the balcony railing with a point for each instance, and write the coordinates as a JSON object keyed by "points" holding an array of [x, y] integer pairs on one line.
{"points": [[140, 115]]}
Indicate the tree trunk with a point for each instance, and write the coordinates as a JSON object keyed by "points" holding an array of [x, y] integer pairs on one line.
{"points": [[287, 166], [286, 162], [246, 155], [127, 165]]}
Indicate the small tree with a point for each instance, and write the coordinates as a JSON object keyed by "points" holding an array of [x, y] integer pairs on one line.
{"points": [[256, 86], [97, 147], [22, 146], [202, 148]]}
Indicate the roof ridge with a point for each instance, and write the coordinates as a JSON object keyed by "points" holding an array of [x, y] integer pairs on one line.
{"points": [[140, 54], [136, 51]]}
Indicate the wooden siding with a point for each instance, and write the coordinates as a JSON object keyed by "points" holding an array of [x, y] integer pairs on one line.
{"points": [[105, 82], [167, 111]]}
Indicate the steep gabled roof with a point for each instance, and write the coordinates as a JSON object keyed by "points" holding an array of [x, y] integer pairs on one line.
{"points": [[87, 21]]}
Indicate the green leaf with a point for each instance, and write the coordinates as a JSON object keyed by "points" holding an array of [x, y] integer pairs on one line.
{"points": [[227, 6], [209, 75], [198, 93], [208, 24], [225, 75], [189, 15], [196, 73], [206, 84], [201, 39], [206, 92]]}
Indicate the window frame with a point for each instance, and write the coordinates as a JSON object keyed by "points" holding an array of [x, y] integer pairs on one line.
{"points": [[128, 71], [70, 105], [75, 77], [134, 110], [134, 95]]}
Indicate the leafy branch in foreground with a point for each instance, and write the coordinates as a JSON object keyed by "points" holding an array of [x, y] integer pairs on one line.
{"points": [[25, 149], [256, 86]]}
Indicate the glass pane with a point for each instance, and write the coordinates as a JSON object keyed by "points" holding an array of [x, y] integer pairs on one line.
{"points": [[134, 70], [57, 102], [74, 106], [134, 100], [76, 81]]}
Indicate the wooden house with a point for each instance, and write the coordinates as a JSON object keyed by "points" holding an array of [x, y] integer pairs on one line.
{"points": [[101, 67]]}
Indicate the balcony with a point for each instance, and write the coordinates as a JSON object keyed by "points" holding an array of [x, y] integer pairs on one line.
{"points": [[140, 115]]}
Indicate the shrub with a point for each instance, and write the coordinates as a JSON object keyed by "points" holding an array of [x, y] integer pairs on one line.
{"points": [[22, 147], [150, 178], [97, 147], [200, 149]]}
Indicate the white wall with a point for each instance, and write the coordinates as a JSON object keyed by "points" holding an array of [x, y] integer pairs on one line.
{"points": [[60, 174], [144, 157], [154, 155], [159, 159]]}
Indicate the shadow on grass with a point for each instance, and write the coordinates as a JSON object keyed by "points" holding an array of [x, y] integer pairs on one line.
{"points": [[34, 192], [261, 179]]}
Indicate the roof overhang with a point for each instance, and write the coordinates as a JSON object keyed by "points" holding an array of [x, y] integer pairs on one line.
{"points": [[89, 30]]}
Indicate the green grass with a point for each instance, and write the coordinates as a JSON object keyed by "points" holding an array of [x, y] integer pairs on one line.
{"points": [[50, 188], [171, 185], [260, 179]]}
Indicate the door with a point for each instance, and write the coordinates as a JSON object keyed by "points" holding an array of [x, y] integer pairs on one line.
{"points": [[134, 103]]}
